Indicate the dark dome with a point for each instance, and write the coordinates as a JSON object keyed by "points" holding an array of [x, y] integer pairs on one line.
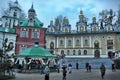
{"points": [[31, 9], [16, 2]]}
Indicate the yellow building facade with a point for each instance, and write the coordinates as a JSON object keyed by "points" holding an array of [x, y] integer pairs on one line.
{"points": [[88, 40]]}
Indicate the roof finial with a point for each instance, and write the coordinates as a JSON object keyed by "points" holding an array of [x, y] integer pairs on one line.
{"points": [[31, 9], [32, 6]]}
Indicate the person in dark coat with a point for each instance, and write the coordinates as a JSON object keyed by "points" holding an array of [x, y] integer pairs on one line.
{"points": [[47, 71], [64, 73], [87, 66], [102, 70], [77, 65], [113, 67], [90, 67]]}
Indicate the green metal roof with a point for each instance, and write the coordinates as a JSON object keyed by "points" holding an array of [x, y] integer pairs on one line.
{"points": [[37, 24], [10, 30], [35, 51]]}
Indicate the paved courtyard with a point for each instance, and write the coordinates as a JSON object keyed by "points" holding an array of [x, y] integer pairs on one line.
{"points": [[80, 74]]}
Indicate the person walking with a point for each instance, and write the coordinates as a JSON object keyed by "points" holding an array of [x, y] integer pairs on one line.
{"points": [[87, 66], [102, 70], [58, 67], [64, 73], [77, 65], [47, 71], [70, 68], [90, 67], [113, 67]]}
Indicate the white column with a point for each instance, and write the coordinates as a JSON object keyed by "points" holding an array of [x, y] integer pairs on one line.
{"points": [[57, 42], [73, 42], [90, 41], [3, 22], [8, 23], [11, 23], [82, 41], [65, 42]]}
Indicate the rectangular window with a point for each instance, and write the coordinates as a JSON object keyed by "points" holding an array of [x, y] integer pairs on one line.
{"points": [[22, 47], [77, 42], [35, 34], [86, 43], [109, 44], [24, 34]]}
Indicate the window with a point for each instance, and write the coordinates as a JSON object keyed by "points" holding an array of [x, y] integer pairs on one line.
{"points": [[109, 44], [85, 52], [24, 34], [68, 52], [94, 28], [66, 30], [73, 52], [52, 30], [15, 14], [35, 34], [86, 42], [81, 28], [79, 52], [77, 42], [22, 47], [96, 44], [69, 42], [61, 42], [51, 45]]}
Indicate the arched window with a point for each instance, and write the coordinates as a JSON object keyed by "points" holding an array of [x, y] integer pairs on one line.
{"points": [[68, 52], [61, 42], [85, 52], [96, 44], [51, 30], [81, 28], [86, 42], [94, 28], [77, 42], [69, 42], [51, 45], [15, 14], [66, 29]]}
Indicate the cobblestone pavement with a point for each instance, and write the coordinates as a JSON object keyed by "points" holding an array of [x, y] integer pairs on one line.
{"points": [[80, 74]]}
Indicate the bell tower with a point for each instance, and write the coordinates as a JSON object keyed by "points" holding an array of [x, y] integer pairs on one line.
{"points": [[31, 16], [11, 19]]}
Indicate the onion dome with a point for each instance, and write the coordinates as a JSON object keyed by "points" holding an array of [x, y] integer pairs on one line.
{"points": [[31, 9], [16, 2], [81, 14]]}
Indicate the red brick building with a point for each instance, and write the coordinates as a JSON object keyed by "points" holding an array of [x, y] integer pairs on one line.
{"points": [[30, 31]]}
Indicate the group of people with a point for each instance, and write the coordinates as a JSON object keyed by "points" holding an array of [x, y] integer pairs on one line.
{"points": [[88, 67]]}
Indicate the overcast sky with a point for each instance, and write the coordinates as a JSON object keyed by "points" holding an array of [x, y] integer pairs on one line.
{"points": [[47, 10]]}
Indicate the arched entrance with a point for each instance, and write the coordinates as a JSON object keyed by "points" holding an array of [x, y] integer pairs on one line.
{"points": [[97, 53]]}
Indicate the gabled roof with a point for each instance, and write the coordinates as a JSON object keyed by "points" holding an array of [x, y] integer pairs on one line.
{"points": [[37, 24]]}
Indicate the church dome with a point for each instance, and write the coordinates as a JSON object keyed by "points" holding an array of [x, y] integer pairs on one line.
{"points": [[16, 2], [31, 9]]}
